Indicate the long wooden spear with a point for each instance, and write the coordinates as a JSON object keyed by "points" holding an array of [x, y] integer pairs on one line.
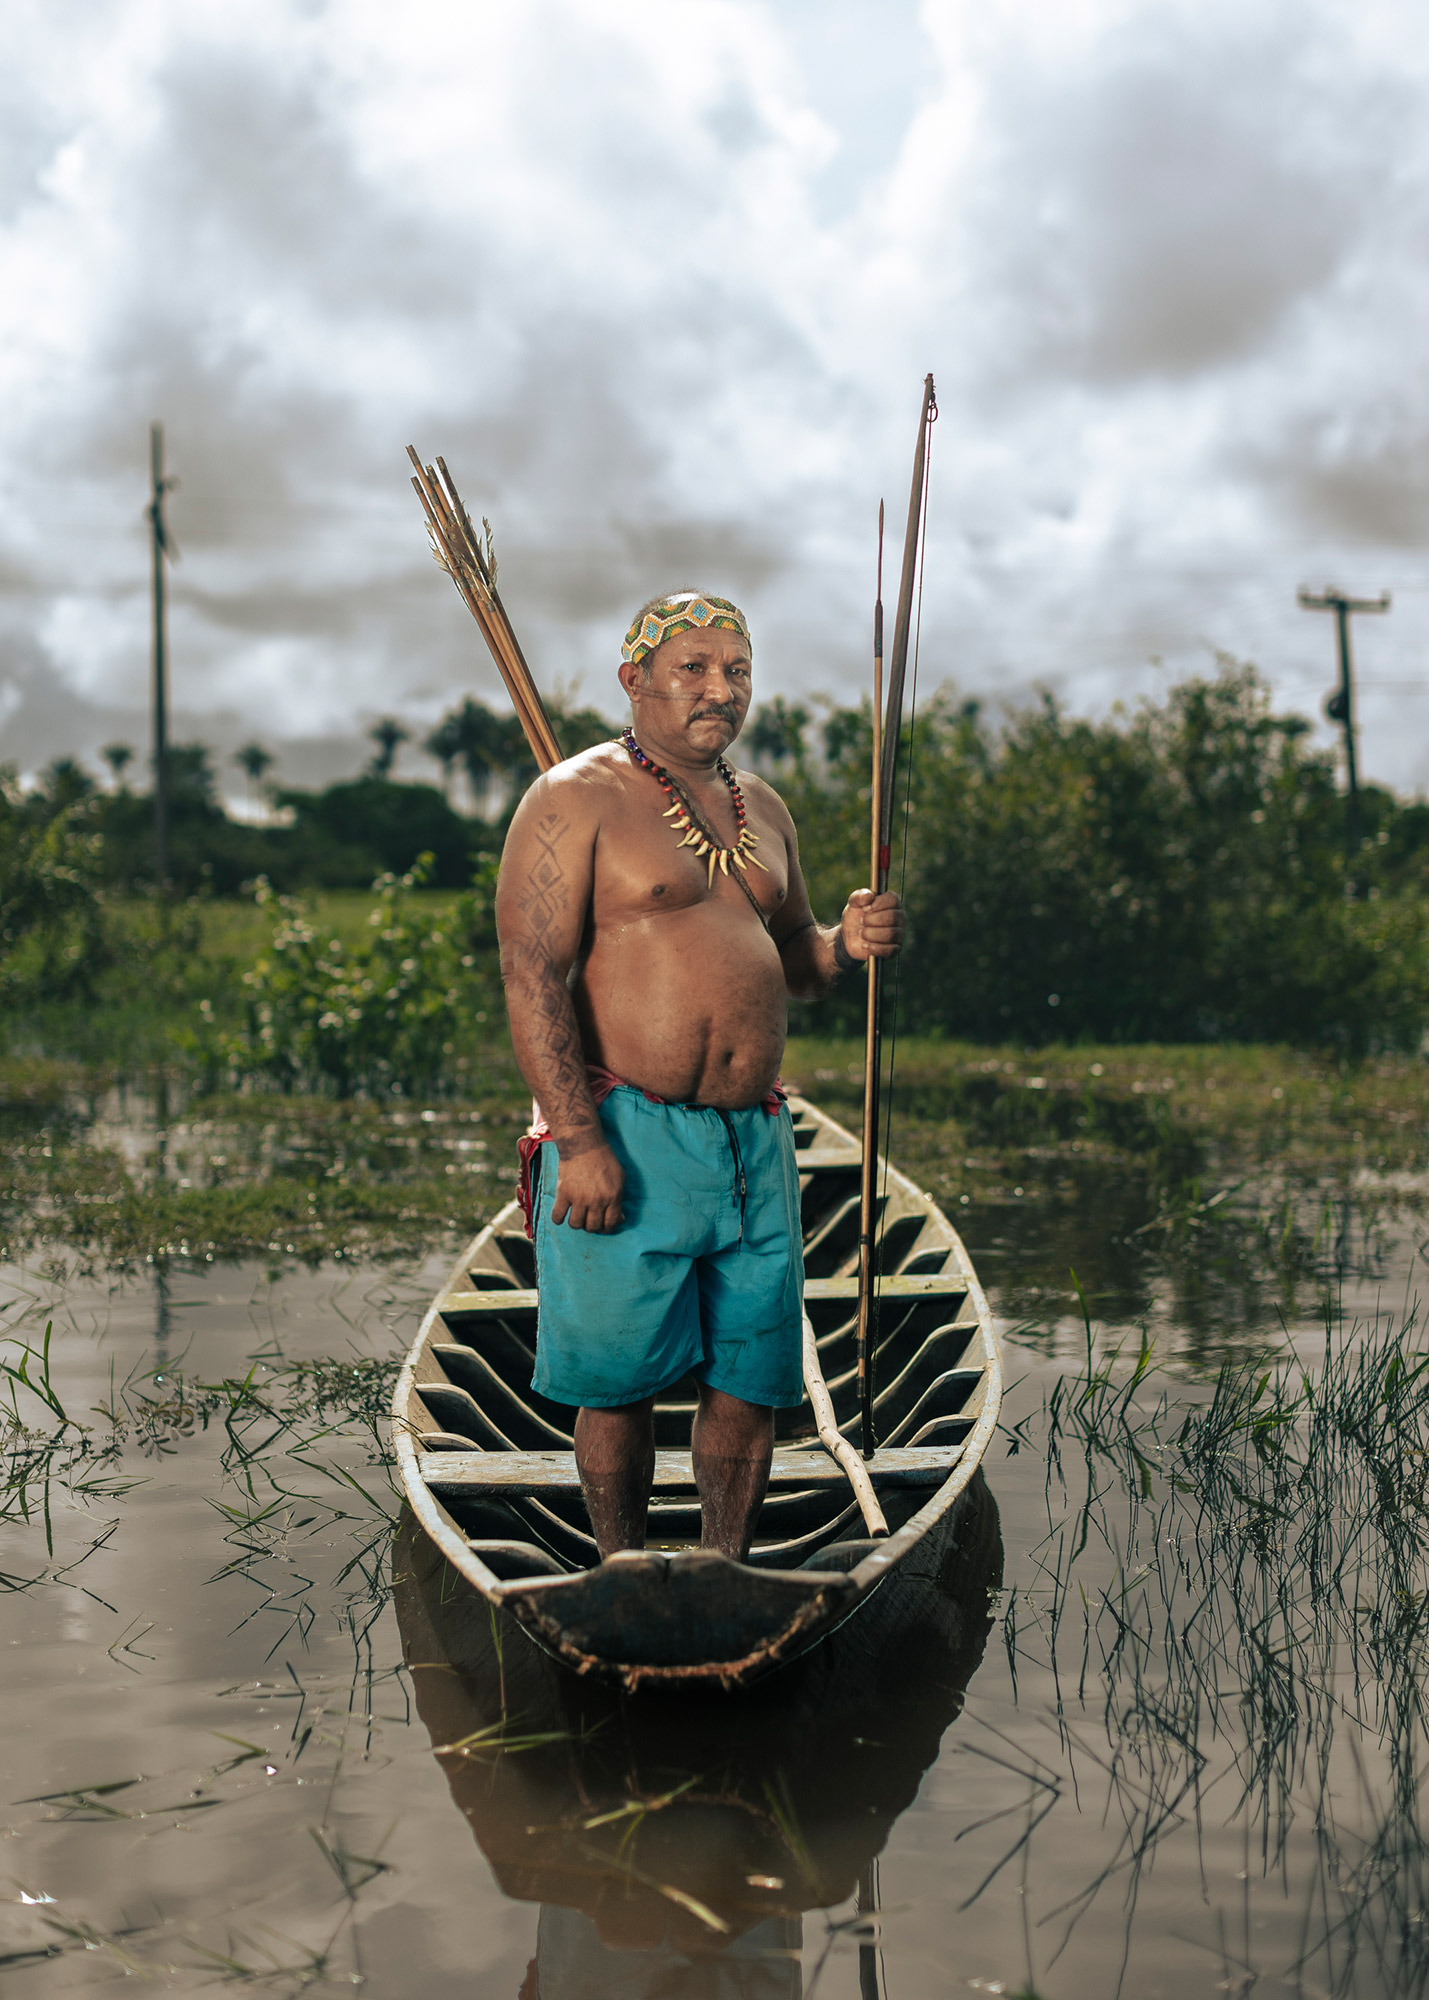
{"points": [[472, 569], [887, 734]]}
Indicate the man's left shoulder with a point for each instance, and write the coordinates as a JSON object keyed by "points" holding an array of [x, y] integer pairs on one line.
{"points": [[764, 798]]}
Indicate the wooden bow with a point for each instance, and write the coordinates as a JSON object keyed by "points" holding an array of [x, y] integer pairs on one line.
{"points": [[887, 735]]}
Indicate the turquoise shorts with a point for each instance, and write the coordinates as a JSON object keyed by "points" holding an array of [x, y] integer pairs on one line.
{"points": [[704, 1277]]}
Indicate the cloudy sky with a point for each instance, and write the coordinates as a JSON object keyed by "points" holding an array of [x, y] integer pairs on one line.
{"points": [[661, 282]]}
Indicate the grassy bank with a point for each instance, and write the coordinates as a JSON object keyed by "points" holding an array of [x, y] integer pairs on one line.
{"points": [[1224, 1104], [118, 1176], [1222, 1150], [1213, 1194], [141, 1009]]}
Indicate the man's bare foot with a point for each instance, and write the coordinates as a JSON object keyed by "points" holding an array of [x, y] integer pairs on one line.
{"points": [[615, 1456], [731, 1445]]}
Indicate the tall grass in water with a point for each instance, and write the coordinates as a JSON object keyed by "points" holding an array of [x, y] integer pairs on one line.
{"points": [[1258, 1650], [301, 1513], [1310, 1494]]}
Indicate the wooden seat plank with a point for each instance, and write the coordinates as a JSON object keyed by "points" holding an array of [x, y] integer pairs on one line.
{"points": [[538, 1472], [927, 1285]]}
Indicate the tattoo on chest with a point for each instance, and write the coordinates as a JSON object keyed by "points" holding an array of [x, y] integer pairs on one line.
{"points": [[545, 895]]}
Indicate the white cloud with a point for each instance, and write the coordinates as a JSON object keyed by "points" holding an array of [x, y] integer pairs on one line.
{"points": [[661, 284], [96, 646]]}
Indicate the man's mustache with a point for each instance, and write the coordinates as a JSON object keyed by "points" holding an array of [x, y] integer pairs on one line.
{"points": [[727, 711]]}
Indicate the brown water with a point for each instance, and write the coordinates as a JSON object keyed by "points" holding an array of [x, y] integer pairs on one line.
{"points": [[940, 1807]]}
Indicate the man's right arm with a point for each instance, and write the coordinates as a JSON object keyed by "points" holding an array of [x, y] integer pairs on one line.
{"points": [[542, 895]]}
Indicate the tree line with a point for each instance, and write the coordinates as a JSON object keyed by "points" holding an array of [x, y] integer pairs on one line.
{"points": [[1180, 872], [340, 836]]}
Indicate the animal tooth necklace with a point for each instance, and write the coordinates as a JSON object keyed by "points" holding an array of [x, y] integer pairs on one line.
{"points": [[694, 833]]}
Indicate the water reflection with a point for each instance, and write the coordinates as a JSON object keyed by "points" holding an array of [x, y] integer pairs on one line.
{"points": [[1212, 1269], [575, 1962], [673, 1842]]}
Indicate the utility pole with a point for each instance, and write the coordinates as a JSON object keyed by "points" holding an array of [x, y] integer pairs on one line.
{"points": [[164, 550], [1340, 706]]}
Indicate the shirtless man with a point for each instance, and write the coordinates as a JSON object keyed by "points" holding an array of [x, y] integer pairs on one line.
{"points": [[654, 926]]}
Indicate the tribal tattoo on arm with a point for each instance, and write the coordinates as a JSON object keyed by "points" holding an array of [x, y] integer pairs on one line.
{"points": [[540, 916]]}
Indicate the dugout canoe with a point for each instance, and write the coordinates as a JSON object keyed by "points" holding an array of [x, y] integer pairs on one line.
{"points": [[488, 1470]]}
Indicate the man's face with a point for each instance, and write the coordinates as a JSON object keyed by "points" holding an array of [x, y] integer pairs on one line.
{"points": [[693, 690]]}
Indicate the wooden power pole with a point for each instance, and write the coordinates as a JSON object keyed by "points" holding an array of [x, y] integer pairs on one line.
{"points": [[1340, 707], [163, 551]]}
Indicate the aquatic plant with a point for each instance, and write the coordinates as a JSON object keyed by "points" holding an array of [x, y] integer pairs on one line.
{"points": [[1240, 1597]]}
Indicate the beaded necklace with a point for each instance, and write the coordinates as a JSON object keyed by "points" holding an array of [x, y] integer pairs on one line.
{"points": [[689, 824]]}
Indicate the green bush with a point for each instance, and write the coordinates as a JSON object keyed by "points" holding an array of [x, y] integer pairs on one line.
{"points": [[56, 933], [1176, 875], [401, 1013]]}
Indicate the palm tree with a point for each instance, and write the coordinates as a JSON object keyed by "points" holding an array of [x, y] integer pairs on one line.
{"points": [[389, 736], [483, 745], [118, 756], [444, 743], [65, 782], [192, 779], [254, 761], [475, 731], [512, 758]]}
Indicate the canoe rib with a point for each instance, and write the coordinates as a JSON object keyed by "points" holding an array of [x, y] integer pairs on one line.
{"points": [[679, 1614]]}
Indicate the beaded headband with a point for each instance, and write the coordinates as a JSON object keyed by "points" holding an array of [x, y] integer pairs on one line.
{"points": [[685, 611]]}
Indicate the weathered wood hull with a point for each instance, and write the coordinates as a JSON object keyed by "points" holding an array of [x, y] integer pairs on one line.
{"points": [[485, 1461]]}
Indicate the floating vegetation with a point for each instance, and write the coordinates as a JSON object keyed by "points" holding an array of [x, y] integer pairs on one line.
{"points": [[1214, 1190], [1234, 1169], [124, 1179], [282, 1417], [294, 1468], [1234, 1586]]}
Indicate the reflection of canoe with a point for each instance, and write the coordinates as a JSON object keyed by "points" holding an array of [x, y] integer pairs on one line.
{"points": [[690, 1824], [488, 1470]]}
